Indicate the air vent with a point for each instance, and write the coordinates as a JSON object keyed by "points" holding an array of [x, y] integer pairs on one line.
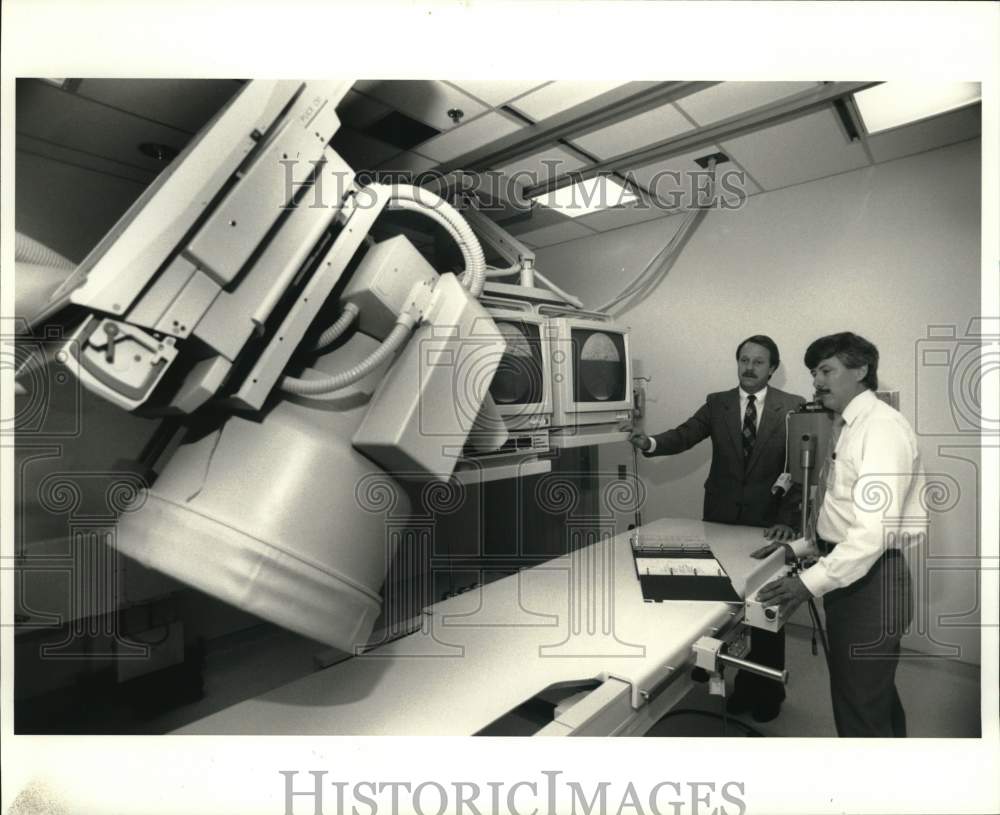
{"points": [[400, 130], [720, 158], [846, 120]]}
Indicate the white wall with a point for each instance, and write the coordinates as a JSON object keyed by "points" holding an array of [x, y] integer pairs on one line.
{"points": [[885, 252]]}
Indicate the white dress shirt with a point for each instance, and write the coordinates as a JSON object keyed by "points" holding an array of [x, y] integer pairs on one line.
{"points": [[758, 404], [873, 496]]}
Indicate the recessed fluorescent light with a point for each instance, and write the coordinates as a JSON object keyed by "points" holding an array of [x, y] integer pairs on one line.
{"points": [[584, 197], [892, 104]]}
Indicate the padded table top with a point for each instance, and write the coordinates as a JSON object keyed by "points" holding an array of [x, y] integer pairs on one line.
{"points": [[482, 653]]}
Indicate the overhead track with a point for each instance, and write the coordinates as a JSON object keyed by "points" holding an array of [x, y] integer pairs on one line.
{"points": [[731, 128], [571, 124]]}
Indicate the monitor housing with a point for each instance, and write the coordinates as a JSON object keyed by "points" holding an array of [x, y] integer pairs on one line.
{"points": [[591, 372]]}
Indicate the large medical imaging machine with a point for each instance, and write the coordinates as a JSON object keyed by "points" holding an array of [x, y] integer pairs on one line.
{"points": [[309, 376]]}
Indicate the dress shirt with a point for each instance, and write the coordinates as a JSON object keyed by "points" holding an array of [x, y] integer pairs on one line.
{"points": [[758, 403], [872, 498]]}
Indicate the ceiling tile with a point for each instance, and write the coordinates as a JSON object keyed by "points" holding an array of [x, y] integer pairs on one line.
{"points": [[730, 98], [498, 191], [804, 149], [623, 216], [559, 96], [408, 162], [497, 92], [674, 182], [71, 121], [559, 233], [359, 151], [952, 127], [537, 218], [468, 136], [87, 161], [358, 111], [535, 169], [425, 99], [647, 128], [186, 104]]}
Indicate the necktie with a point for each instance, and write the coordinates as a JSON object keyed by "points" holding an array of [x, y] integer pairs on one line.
{"points": [[749, 427]]}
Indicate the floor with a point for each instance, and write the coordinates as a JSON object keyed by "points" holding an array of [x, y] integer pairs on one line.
{"points": [[941, 699]]}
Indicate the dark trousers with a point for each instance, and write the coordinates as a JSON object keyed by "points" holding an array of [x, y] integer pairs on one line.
{"points": [[864, 624], [768, 649]]}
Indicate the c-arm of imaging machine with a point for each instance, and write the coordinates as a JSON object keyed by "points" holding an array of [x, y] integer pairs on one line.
{"points": [[212, 299]]}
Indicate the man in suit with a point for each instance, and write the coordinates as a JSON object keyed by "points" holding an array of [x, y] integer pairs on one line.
{"points": [[747, 427]]}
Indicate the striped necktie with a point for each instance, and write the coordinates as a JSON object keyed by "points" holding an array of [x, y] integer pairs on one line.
{"points": [[749, 427]]}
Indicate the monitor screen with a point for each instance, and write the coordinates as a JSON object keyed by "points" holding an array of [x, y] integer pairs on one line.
{"points": [[599, 366], [519, 380]]}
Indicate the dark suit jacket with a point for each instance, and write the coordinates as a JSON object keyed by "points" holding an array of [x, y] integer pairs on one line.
{"points": [[735, 494]]}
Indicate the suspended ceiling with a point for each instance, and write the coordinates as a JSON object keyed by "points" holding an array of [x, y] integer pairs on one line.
{"points": [[777, 134]]}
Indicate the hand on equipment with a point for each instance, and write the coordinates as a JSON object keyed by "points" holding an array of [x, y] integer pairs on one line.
{"points": [[788, 593], [779, 532], [768, 548], [764, 551], [638, 439]]}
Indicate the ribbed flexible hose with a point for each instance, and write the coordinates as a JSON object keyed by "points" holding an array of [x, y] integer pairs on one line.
{"points": [[316, 387], [417, 199], [411, 199], [339, 327], [666, 255], [640, 279], [28, 250]]}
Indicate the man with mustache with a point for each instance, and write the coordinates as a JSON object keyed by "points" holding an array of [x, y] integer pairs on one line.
{"points": [[869, 507], [747, 427]]}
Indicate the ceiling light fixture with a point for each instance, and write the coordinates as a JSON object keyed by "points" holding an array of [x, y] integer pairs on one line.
{"points": [[894, 104], [589, 195]]}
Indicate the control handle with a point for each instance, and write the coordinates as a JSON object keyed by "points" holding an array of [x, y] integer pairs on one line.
{"points": [[754, 667]]}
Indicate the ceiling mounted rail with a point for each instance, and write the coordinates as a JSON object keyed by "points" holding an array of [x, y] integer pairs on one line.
{"points": [[733, 127], [572, 123]]}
